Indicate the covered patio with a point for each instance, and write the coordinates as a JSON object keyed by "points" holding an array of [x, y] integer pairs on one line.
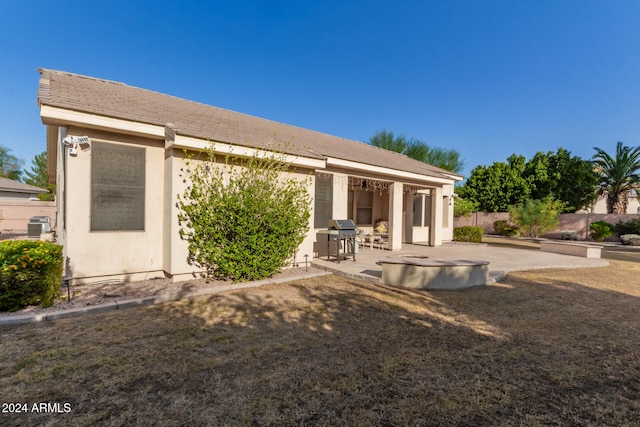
{"points": [[384, 209]]}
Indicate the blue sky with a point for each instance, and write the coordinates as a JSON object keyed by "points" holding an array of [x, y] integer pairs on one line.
{"points": [[485, 77]]}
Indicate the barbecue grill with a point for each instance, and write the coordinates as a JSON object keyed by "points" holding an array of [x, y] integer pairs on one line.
{"points": [[342, 231]]}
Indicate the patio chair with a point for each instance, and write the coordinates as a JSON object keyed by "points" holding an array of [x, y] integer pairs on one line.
{"points": [[380, 235]]}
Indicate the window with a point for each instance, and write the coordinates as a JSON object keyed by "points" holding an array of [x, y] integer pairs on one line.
{"points": [[364, 208], [421, 210], [427, 210], [417, 210], [117, 187], [445, 211], [323, 202]]}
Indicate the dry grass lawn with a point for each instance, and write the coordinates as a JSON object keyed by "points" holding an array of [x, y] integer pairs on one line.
{"points": [[552, 347]]}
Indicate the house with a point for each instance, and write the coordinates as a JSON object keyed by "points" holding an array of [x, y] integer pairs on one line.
{"points": [[11, 190], [115, 153], [600, 205]]}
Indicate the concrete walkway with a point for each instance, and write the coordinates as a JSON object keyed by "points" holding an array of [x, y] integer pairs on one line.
{"points": [[142, 301], [501, 259]]}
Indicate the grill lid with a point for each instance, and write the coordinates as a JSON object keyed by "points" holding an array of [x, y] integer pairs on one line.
{"points": [[341, 224]]}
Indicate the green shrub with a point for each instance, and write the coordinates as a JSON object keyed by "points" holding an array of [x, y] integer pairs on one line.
{"points": [[243, 219], [601, 230], [30, 273], [464, 207], [467, 233], [536, 217], [630, 227], [503, 228]]}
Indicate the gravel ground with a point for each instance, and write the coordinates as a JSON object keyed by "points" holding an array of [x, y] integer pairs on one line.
{"points": [[105, 292]]}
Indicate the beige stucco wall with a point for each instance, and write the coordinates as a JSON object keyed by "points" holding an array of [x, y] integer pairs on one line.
{"points": [[340, 206], [600, 206], [448, 204], [175, 250], [100, 255]]}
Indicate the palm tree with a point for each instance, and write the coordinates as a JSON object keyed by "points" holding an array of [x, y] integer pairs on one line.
{"points": [[617, 176]]}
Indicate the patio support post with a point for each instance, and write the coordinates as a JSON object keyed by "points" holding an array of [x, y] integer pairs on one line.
{"points": [[395, 215], [435, 228], [340, 196], [408, 218]]}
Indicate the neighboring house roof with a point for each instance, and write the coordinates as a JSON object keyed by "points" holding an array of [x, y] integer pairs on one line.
{"points": [[12, 186], [117, 100]]}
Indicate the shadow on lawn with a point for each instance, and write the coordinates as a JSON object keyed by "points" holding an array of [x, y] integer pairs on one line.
{"points": [[332, 351], [344, 351]]}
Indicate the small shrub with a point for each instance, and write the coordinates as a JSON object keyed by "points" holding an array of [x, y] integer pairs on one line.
{"points": [[503, 228], [467, 233], [601, 230], [30, 273], [536, 217], [464, 207], [630, 227]]}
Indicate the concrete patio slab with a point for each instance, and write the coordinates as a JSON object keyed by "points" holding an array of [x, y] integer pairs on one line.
{"points": [[501, 259]]}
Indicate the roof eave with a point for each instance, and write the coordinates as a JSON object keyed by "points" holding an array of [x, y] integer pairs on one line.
{"points": [[395, 173]]}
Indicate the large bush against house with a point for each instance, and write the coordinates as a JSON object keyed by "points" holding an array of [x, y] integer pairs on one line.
{"points": [[243, 218], [30, 273]]}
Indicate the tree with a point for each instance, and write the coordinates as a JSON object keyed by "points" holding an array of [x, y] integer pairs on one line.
{"points": [[494, 188], [618, 175], [244, 219], [10, 165], [568, 179], [571, 180], [387, 140], [39, 176], [417, 149], [464, 207], [444, 158], [536, 217]]}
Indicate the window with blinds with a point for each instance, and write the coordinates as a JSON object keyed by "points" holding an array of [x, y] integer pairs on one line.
{"points": [[323, 202], [117, 187]]}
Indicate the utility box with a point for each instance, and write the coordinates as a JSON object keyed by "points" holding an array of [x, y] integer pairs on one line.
{"points": [[38, 225]]}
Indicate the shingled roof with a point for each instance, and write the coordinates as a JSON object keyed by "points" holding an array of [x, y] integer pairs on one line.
{"points": [[118, 100], [12, 186]]}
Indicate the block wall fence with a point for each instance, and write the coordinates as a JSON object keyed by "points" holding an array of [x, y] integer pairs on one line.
{"points": [[578, 222], [16, 215]]}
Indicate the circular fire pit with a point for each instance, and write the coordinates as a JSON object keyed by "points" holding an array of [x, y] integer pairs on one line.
{"points": [[425, 273]]}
